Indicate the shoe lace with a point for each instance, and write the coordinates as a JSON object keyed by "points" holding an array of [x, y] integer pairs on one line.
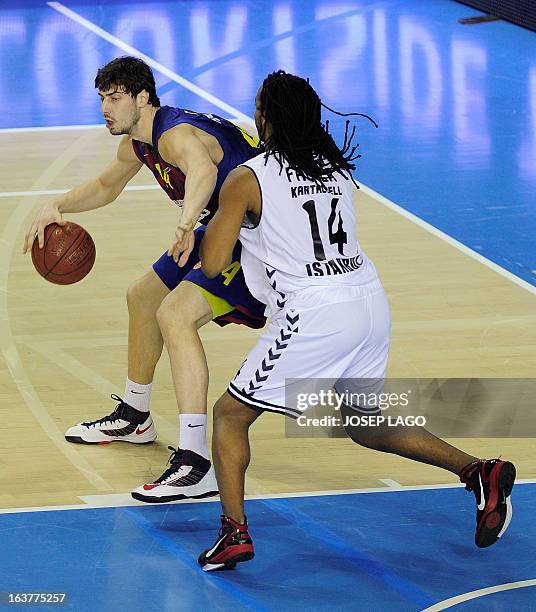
{"points": [[113, 416], [225, 528], [176, 459]]}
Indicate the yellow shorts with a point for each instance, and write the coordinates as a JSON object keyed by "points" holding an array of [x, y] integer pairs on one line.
{"points": [[219, 305]]}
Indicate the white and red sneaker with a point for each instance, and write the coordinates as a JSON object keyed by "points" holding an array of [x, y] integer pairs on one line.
{"points": [[189, 476], [125, 424]]}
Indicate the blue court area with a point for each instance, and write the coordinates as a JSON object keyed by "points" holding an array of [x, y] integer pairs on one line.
{"points": [[456, 104], [377, 551]]}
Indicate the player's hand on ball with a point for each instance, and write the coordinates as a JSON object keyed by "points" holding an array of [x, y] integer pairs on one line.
{"points": [[47, 215], [67, 256], [183, 245]]}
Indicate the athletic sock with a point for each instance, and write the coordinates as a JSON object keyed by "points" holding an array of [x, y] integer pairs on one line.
{"points": [[193, 433], [138, 396]]}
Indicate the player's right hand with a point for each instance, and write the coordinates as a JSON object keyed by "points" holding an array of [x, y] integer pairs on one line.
{"points": [[47, 215]]}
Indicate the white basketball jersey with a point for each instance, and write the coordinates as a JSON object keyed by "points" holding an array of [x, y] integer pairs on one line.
{"points": [[306, 236]]}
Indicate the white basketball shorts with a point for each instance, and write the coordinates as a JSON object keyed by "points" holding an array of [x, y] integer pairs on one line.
{"points": [[322, 333]]}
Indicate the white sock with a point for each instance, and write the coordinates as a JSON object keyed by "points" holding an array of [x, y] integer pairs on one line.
{"points": [[138, 396], [193, 433]]}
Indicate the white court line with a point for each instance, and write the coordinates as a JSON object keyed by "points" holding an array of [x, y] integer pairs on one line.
{"points": [[446, 238], [119, 500], [51, 128], [59, 128], [452, 601], [67, 12], [392, 484], [45, 192]]}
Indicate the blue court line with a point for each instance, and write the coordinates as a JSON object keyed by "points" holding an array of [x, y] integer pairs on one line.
{"points": [[365, 563], [186, 559]]}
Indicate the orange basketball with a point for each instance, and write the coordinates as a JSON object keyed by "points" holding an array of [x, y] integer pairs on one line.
{"points": [[68, 254]]}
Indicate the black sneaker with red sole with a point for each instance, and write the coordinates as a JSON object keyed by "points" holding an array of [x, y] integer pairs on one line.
{"points": [[491, 480], [234, 545]]}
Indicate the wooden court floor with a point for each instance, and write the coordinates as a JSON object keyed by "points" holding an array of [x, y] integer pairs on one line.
{"points": [[63, 349]]}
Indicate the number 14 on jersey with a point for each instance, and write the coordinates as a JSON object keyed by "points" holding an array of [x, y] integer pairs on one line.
{"points": [[338, 236]]}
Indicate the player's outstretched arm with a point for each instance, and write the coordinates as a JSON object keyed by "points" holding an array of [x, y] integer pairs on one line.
{"points": [[95, 193], [239, 195], [182, 147]]}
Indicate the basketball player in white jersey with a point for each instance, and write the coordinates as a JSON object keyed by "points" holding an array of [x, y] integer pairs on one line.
{"points": [[292, 209]]}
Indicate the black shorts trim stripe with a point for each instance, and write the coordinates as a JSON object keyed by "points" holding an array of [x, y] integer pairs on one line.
{"points": [[240, 399], [262, 402], [259, 404]]}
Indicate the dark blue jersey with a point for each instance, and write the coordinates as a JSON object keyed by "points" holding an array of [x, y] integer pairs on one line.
{"points": [[237, 145]]}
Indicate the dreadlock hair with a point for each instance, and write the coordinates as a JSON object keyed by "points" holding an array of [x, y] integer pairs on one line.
{"points": [[299, 137], [130, 73]]}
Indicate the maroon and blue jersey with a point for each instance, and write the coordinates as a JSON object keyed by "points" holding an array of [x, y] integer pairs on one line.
{"points": [[237, 145]]}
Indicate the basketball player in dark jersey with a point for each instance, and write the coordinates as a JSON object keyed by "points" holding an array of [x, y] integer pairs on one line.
{"points": [[190, 155]]}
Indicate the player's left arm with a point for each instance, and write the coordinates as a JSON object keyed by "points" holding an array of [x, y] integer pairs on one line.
{"points": [[239, 195], [182, 147]]}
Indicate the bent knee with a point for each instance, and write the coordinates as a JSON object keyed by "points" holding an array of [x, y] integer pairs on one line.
{"points": [[183, 309], [223, 408], [134, 293], [362, 436], [173, 315], [227, 408], [146, 294], [168, 317], [371, 436]]}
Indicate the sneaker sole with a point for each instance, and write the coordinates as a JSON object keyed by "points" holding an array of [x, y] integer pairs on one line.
{"points": [[78, 440], [169, 498], [492, 525], [228, 565]]}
